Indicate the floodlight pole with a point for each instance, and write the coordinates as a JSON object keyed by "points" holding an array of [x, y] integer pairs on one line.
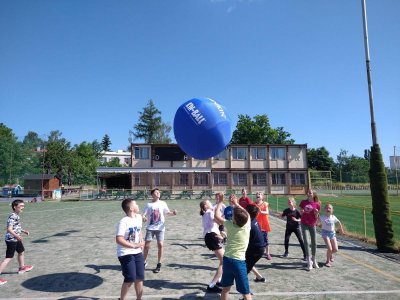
{"points": [[367, 60], [395, 169]]}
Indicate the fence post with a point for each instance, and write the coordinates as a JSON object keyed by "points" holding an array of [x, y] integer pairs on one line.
{"points": [[365, 223]]}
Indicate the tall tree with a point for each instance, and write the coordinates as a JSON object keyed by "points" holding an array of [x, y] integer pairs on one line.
{"points": [[380, 203], [9, 155], [319, 159], [105, 143], [259, 131], [150, 127]]}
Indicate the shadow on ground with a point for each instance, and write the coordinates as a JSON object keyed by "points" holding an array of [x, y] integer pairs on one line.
{"points": [[63, 282], [60, 234]]}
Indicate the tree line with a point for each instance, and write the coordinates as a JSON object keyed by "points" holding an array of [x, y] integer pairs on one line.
{"points": [[76, 164]]}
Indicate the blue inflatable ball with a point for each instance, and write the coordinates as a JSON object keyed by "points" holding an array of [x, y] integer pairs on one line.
{"points": [[202, 128]]}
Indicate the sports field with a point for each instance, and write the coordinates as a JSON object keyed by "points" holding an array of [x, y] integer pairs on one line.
{"points": [[72, 246]]}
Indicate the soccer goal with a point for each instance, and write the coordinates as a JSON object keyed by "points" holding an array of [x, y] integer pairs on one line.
{"points": [[321, 182]]}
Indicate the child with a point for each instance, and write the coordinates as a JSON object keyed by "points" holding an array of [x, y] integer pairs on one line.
{"points": [[129, 239], [328, 233], [257, 245], [293, 219], [14, 239], [234, 261], [309, 210], [155, 211], [213, 240], [244, 200], [263, 220], [221, 227]]}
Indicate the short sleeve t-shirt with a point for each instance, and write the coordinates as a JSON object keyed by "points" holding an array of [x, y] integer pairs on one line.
{"points": [[14, 221], [238, 240], [244, 201], [209, 224], [256, 240], [155, 213], [309, 217], [289, 214], [130, 229], [328, 222]]}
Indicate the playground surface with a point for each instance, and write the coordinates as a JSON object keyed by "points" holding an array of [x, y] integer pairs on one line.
{"points": [[72, 247]]}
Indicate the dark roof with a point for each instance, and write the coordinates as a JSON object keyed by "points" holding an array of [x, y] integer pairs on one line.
{"points": [[38, 176]]}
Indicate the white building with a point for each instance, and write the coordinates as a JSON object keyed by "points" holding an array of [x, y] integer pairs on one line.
{"points": [[394, 162], [123, 156]]}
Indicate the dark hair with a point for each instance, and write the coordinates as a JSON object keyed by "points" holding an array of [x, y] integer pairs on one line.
{"points": [[240, 216], [15, 203], [153, 190], [252, 210], [126, 204], [202, 207]]}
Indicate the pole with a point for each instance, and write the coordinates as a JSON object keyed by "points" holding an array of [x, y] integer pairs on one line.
{"points": [[367, 60], [395, 169]]}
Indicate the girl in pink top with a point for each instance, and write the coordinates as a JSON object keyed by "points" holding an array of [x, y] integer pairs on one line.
{"points": [[309, 210]]}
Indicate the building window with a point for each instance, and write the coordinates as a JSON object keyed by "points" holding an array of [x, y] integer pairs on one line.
{"points": [[239, 153], [278, 154], [239, 179], [220, 178], [298, 179], [201, 179], [258, 153], [103, 160], [222, 155], [278, 178], [137, 179], [157, 179], [142, 153], [259, 179], [127, 161], [183, 179]]}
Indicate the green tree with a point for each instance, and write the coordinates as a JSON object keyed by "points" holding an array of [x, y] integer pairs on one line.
{"points": [[319, 159], [83, 163], [380, 202], [10, 156], [58, 154], [258, 131], [105, 143], [150, 127]]}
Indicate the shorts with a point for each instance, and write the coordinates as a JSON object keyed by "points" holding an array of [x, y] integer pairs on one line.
{"points": [[328, 234], [213, 242], [12, 247], [159, 234], [235, 270], [253, 256], [265, 235], [132, 267]]}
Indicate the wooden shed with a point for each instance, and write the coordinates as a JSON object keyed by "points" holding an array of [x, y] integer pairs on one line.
{"points": [[35, 183]]}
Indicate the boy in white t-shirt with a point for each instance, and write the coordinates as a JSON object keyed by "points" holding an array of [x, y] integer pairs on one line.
{"points": [[328, 222], [129, 239], [154, 212]]}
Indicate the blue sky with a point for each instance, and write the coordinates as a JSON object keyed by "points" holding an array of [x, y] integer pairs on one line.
{"points": [[88, 67]]}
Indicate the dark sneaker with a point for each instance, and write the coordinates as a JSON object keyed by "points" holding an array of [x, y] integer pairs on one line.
{"points": [[286, 254], [157, 269], [218, 284], [262, 279], [213, 289]]}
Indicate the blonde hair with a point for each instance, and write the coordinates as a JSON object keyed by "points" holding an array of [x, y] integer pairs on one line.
{"points": [[293, 200]]}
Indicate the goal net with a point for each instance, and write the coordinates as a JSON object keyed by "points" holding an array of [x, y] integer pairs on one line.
{"points": [[321, 182]]}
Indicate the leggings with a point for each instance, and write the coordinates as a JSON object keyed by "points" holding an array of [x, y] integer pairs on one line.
{"points": [[297, 232], [313, 231]]}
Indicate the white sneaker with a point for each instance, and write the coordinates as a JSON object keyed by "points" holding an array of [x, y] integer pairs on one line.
{"points": [[315, 264]]}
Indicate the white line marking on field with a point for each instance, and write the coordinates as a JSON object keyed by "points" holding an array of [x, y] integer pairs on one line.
{"points": [[177, 296]]}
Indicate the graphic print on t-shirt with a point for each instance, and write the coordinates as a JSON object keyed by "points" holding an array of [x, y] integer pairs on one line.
{"points": [[155, 217], [133, 234]]}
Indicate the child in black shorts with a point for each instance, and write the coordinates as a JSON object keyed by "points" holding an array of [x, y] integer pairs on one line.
{"points": [[14, 239]]}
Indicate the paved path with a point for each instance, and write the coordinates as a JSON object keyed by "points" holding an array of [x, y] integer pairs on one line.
{"points": [[72, 247]]}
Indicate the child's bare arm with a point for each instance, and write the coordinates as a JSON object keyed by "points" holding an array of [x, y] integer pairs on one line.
{"points": [[217, 211], [10, 230]]}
